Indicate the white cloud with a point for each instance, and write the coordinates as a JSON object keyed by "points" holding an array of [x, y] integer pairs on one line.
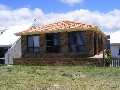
{"points": [[3, 7], [71, 2], [108, 22]]}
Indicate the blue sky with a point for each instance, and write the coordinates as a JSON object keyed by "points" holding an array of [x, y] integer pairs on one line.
{"points": [[57, 6], [103, 13]]}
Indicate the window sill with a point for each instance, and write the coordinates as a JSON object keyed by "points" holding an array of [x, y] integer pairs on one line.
{"points": [[76, 52], [33, 53], [52, 52]]}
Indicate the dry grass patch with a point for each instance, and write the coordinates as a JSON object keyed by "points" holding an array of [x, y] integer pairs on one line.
{"points": [[59, 78]]}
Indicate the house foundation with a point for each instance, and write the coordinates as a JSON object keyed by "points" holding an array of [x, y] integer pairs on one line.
{"points": [[59, 61]]}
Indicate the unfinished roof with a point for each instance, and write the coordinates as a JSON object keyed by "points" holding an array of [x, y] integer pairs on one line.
{"points": [[8, 38], [62, 26], [59, 26]]}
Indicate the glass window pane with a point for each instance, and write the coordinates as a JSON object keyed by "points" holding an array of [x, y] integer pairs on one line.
{"points": [[72, 38], [36, 50], [30, 41], [80, 38], [30, 50], [3, 50], [50, 43], [56, 39], [81, 48], [56, 48], [49, 49], [73, 48], [49, 37], [53, 42], [36, 41]]}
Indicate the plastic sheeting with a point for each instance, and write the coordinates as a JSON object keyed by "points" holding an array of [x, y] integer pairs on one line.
{"points": [[8, 38], [115, 37]]}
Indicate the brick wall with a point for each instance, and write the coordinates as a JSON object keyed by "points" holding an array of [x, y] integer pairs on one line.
{"points": [[89, 47], [101, 44], [89, 43], [24, 44], [58, 61], [64, 57]]}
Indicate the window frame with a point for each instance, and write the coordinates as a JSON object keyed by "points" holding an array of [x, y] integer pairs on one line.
{"points": [[53, 46], [119, 51], [76, 45], [33, 47]]}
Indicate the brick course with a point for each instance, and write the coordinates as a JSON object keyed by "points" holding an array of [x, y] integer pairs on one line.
{"points": [[59, 61]]}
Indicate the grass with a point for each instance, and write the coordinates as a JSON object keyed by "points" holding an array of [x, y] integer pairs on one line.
{"points": [[59, 78]]}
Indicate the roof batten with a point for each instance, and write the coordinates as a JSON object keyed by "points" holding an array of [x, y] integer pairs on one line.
{"points": [[62, 26]]}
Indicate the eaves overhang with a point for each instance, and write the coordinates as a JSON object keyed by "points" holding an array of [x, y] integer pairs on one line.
{"points": [[60, 30]]}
